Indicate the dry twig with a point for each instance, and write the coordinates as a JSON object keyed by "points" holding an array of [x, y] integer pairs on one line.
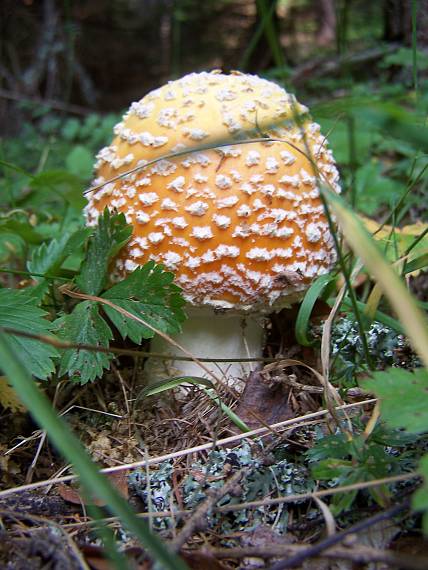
{"points": [[322, 545], [359, 554]]}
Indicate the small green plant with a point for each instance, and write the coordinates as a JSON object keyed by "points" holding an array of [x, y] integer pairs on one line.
{"points": [[148, 294], [404, 403], [43, 173], [20, 311], [345, 459]]}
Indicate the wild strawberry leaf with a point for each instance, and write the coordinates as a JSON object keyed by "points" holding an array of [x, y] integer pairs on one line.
{"points": [[48, 257], [330, 447], [111, 233], [404, 397], [348, 461], [150, 294], [84, 326], [19, 311]]}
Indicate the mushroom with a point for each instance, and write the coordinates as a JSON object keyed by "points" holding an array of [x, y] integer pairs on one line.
{"points": [[241, 225]]}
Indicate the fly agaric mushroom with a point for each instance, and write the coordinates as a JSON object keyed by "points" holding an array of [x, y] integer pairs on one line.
{"points": [[242, 226]]}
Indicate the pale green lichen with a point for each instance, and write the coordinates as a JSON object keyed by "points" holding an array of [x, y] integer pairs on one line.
{"points": [[278, 478]]}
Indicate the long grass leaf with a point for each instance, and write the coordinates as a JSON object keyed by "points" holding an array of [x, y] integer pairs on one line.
{"points": [[415, 45], [69, 446], [205, 385], [270, 32], [414, 321], [305, 310]]}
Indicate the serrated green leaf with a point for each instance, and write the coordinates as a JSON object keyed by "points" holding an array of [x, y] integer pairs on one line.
{"points": [[387, 436], [332, 468], [148, 293], [329, 447], [39, 291], [111, 233], [343, 501], [19, 311], [404, 397], [75, 241], [48, 257], [351, 460], [84, 326]]}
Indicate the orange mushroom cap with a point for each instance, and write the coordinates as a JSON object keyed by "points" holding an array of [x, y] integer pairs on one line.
{"points": [[242, 226]]}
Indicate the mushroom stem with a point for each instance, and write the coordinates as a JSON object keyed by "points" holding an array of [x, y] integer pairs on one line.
{"points": [[211, 335]]}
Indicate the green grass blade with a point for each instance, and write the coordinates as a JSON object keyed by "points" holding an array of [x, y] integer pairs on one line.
{"points": [[305, 309], [206, 386], [16, 168], [414, 46], [270, 32], [170, 383], [346, 272], [256, 37], [226, 410], [417, 263], [412, 318], [112, 553], [69, 446]]}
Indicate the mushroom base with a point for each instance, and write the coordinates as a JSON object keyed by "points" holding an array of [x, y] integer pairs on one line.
{"points": [[208, 334]]}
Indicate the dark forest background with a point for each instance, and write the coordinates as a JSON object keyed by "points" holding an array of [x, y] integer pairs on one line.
{"points": [[78, 57]]}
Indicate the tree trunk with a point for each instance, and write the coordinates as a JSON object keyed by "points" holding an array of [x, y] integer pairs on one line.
{"points": [[398, 22], [326, 22]]}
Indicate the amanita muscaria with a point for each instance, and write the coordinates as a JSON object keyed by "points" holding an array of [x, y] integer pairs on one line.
{"points": [[242, 226]]}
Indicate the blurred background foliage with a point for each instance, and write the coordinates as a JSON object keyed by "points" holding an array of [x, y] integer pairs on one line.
{"points": [[68, 70]]}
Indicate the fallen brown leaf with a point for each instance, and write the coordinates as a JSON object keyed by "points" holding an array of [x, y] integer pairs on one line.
{"points": [[118, 479]]}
